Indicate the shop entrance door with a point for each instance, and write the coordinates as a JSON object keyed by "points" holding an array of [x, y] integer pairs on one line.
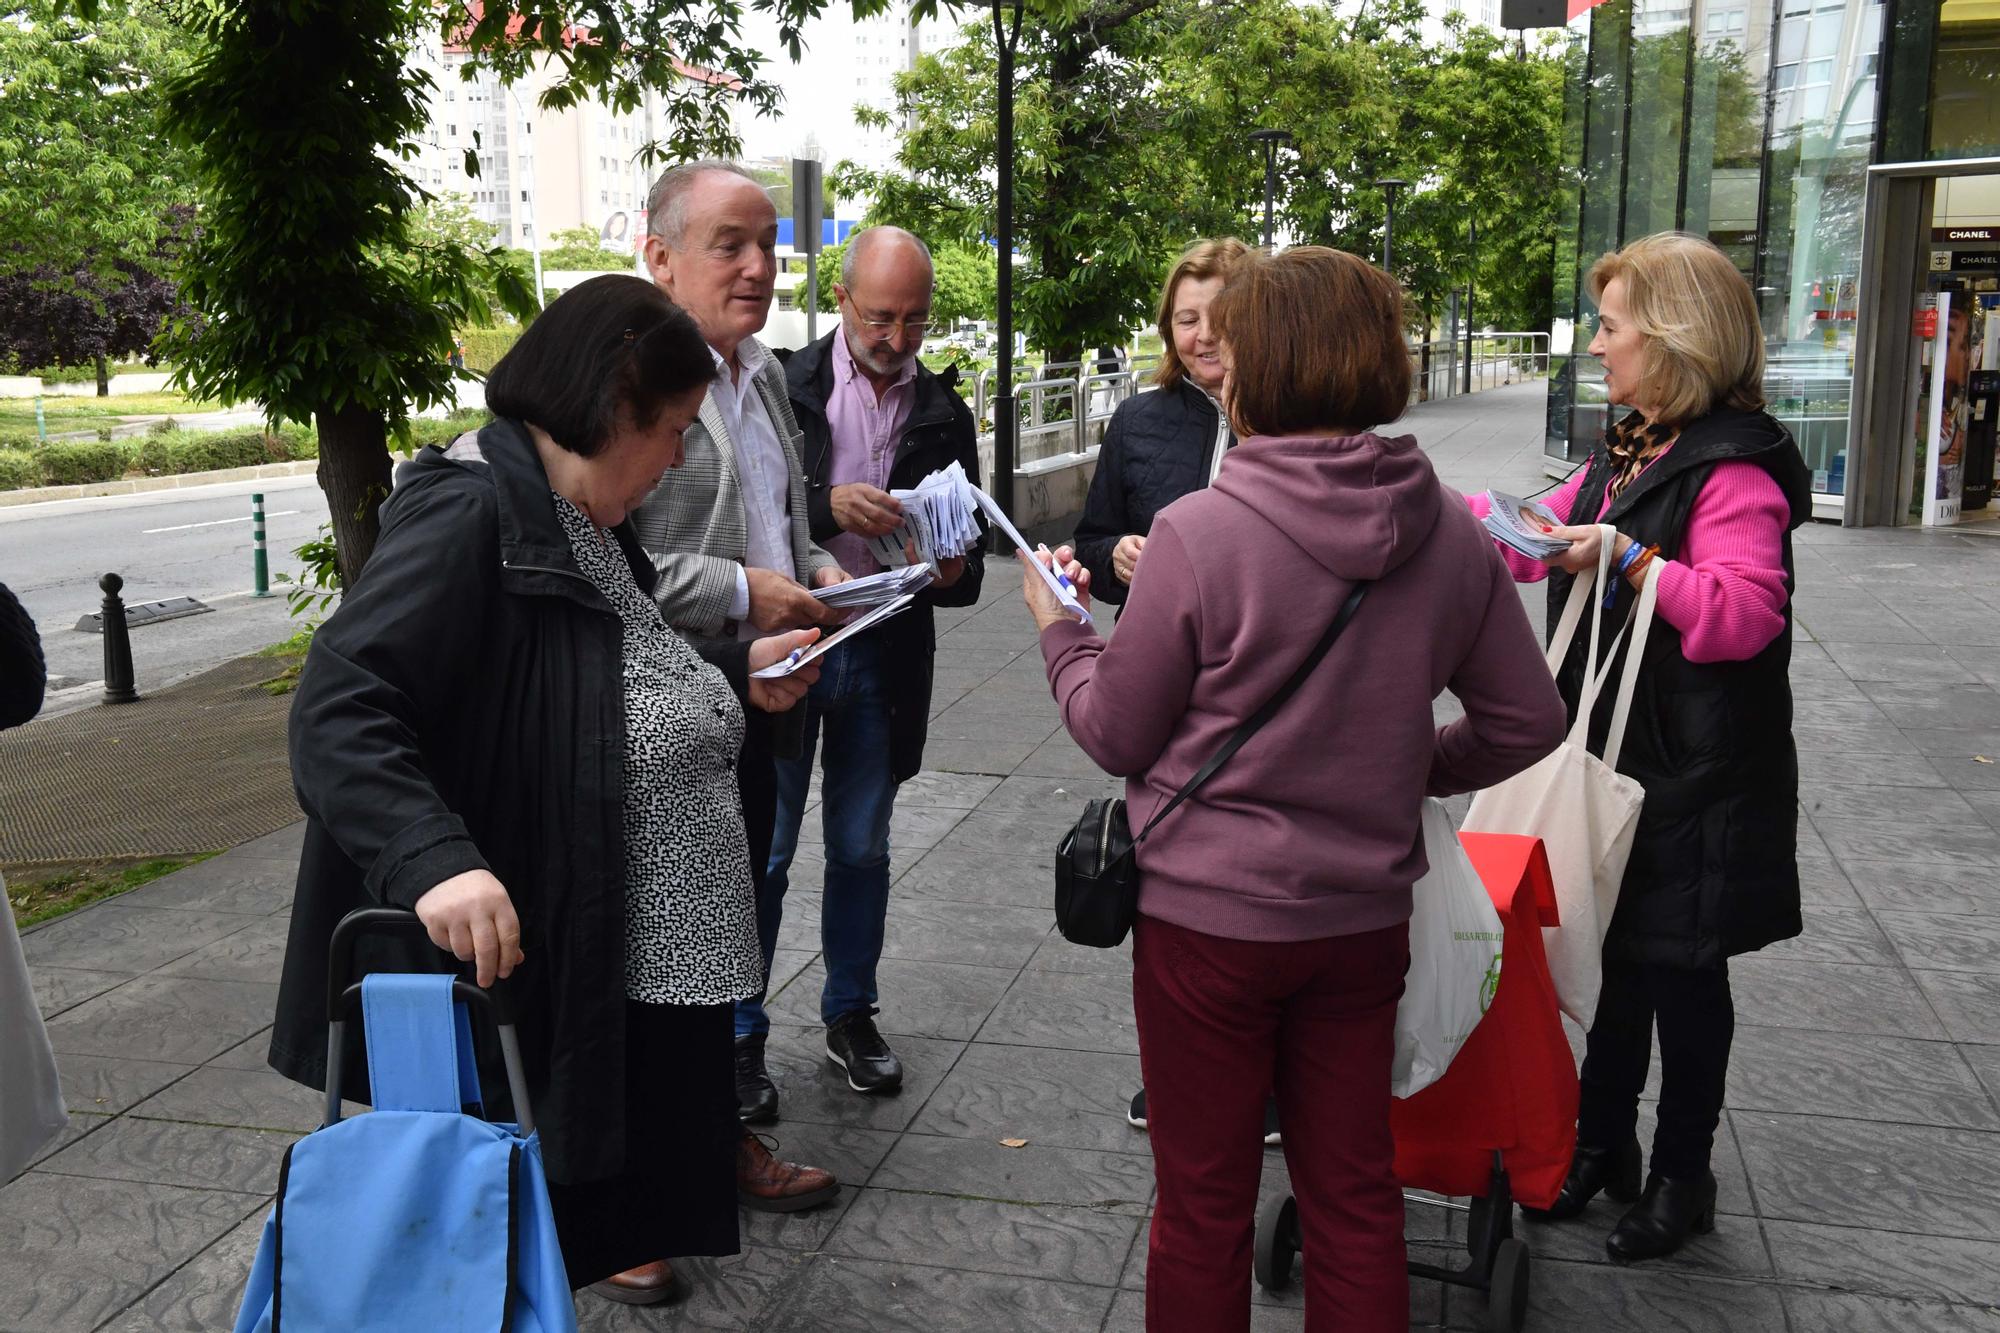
{"points": [[1931, 230]]}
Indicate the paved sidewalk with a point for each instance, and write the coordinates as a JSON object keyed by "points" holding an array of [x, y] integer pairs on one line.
{"points": [[1860, 1157]]}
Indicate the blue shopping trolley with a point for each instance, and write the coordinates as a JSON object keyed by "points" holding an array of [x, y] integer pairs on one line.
{"points": [[420, 1216]]}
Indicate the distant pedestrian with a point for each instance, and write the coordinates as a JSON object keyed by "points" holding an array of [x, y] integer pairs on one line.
{"points": [[1274, 904], [31, 1100], [1700, 478], [497, 730]]}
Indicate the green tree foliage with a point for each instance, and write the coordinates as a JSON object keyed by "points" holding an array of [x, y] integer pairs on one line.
{"points": [[90, 180], [581, 249], [314, 295], [1132, 121], [447, 221], [693, 56], [1102, 185]]}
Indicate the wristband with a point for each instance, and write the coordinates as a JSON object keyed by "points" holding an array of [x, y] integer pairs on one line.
{"points": [[1632, 552]]}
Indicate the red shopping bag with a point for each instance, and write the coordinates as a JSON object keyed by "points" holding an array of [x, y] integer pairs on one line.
{"points": [[1512, 1087]]}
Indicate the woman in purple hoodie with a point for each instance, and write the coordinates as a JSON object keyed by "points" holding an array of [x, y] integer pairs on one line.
{"points": [[1274, 905]]}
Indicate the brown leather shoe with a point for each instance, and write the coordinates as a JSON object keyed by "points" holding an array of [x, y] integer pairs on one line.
{"points": [[771, 1186], [648, 1284]]}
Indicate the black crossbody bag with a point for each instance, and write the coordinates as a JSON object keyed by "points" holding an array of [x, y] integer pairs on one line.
{"points": [[1097, 873]]}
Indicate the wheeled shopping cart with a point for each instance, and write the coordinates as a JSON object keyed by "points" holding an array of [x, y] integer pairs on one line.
{"points": [[1499, 1127]]}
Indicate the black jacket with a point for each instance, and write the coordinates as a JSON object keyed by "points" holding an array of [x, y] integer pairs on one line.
{"points": [[939, 430], [23, 674], [464, 709], [1158, 447], [1714, 867]]}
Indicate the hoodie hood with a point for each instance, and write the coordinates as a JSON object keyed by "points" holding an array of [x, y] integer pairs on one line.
{"points": [[1357, 506]]}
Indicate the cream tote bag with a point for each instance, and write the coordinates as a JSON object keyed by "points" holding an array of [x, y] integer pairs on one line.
{"points": [[31, 1102], [1579, 805]]}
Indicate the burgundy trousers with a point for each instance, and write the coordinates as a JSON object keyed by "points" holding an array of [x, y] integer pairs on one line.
{"points": [[1221, 1024]]}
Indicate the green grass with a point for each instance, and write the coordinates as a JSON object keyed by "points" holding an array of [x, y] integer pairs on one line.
{"points": [[67, 414], [43, 896], [293, 649]]}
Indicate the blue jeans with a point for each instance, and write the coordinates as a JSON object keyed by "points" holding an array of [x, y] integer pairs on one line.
{"points": [[857, 795]]}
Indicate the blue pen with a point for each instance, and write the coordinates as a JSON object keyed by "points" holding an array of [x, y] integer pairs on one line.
{"points": [[1056, 569]]}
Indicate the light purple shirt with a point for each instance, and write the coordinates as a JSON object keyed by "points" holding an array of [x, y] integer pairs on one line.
{"points": [[865, 431]]}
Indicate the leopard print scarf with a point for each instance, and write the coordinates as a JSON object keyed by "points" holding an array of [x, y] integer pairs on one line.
{"points": [[1633, 443]]}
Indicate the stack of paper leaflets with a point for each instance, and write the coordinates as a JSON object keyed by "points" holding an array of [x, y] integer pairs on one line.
{"points": [[941, 517], [819, 647], [875, 589], [1520, 524], [938, 516]]}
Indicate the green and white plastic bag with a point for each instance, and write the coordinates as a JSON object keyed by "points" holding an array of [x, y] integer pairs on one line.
{"points": [[1454, 971]]}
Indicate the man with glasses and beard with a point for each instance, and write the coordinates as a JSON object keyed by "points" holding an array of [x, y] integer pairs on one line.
{"points": [[873, 420]]}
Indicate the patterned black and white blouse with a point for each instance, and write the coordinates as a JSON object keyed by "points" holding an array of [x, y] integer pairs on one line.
{"points": [[690, 917]]}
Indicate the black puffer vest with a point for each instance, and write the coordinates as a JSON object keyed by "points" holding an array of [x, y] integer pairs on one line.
{"points": [[1714, 868]]}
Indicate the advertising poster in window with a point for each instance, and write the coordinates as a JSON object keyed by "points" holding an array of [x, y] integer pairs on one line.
{"points": [[1943, 405]]}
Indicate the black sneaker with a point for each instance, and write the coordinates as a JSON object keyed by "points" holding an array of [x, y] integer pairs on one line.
{"points": [[756, 1095], [1136, 1117], [853, 1043]]}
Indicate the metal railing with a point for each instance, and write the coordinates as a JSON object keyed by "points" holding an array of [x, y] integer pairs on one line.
{"points": [[1049, 426], [1438, 368]]}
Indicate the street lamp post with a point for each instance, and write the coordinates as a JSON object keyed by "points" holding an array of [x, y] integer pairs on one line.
{"points": [[1389, 185], [1471, 278], [1270, 139], [528, 195], [1006, 38]]}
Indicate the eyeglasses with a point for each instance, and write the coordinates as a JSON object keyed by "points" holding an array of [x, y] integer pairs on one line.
{"points": [[885, 328]]}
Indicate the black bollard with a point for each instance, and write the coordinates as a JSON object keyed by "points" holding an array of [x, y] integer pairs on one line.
{"points": [[118, 682]]}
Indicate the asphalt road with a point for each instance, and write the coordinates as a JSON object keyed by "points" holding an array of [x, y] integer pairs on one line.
{"points": [[194, 542]]}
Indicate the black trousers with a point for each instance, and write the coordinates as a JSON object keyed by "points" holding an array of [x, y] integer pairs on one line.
{"points": [[1697, 1021]]}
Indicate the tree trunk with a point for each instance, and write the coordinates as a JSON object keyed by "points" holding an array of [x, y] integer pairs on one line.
{"points": [[103, 378], [354, 471]]}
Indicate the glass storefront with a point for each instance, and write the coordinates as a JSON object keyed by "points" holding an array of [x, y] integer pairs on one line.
{"points": [[1754, 123]]}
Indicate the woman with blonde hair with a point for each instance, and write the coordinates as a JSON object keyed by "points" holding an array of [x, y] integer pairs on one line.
{"points": [[1698, 477], [1162, 445]]}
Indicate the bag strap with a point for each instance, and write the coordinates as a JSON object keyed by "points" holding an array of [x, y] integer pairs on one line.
{"points": [[419, 1043], [1249, 727], [1642, 625]]}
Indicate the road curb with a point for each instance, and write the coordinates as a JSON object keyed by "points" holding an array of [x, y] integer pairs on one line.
{"points": [[143, 485]]}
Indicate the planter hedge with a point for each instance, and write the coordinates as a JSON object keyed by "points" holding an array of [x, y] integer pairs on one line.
{"points": [[485, 347], [77, 462], [18, 468]]}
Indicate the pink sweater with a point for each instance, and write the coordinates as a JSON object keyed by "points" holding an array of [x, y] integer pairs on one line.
{"points": [[1726, 595]]}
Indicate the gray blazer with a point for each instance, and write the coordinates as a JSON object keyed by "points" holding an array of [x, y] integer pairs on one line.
{"points": [[693, 524]]}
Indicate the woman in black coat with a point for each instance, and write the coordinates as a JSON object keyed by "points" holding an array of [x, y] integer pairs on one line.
{"points": [[497, 731], [1165, 444], [1701, 479]]}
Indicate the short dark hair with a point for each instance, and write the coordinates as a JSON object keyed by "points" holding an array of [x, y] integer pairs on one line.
{"points": [[610, 349], [1315, 341]]}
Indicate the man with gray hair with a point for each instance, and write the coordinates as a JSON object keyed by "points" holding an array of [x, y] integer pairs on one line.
{"points": [[874, 419], [727, 530]]}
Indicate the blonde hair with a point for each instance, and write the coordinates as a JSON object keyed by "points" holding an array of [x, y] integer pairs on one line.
{"points": [[1704, 344], [1215, 258]]}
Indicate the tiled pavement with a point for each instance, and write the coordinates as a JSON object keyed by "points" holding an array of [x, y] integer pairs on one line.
{"points": [[1860, 1158]]}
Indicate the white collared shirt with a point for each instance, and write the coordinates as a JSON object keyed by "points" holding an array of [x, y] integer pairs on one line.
{"points": [[760, 467]]}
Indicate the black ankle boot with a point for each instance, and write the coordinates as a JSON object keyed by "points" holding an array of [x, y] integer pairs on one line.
{"points": [[1666, 1215], [1615, 1171]]}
